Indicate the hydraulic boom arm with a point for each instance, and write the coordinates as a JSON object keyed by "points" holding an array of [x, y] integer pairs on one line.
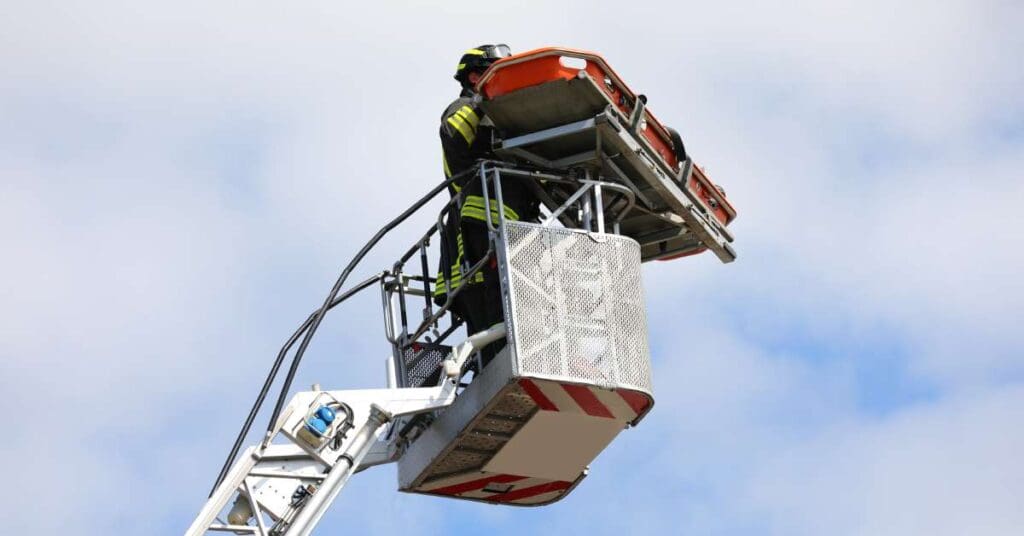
{"points": [[284, 488]]}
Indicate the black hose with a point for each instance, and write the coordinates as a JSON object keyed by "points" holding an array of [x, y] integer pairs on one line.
{"points": [[273, 374], [318, 316], [312, 323]]}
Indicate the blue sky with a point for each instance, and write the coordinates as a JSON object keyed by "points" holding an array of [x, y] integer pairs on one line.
{"points": [[180, 184]]}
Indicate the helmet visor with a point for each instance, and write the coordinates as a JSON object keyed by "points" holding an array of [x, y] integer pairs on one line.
{"points": [[499, 51]]}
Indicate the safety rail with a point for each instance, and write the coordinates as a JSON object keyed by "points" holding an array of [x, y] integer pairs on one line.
{"points": [[579, 202], [425, 374], [573, 200]]}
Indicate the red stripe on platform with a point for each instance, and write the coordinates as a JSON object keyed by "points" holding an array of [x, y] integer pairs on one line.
{"points": [[587, 400], [537, 395], [525, 493], [637, 401], [473, 485]]}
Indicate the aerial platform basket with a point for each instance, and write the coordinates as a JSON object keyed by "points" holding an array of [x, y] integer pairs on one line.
{"points": [[575, 369], [561, 108], [575, 372]]}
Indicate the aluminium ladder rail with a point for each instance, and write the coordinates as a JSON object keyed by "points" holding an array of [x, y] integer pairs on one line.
{"points": [[285, 488]]}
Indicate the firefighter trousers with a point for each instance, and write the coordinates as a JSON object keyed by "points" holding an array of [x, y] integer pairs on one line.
{"points": [[480, 303]]}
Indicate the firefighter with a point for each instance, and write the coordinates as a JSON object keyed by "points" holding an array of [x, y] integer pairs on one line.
{"points": [[466, 138]]}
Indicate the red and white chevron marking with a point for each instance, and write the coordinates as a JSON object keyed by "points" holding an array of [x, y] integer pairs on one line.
{"points": [[621, 404], [499, 488]]}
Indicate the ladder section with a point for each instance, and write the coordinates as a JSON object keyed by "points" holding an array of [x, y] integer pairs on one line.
{"points": [[283, 486]]}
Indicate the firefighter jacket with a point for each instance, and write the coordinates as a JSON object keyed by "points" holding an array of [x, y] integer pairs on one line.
{"points": [[466, 136]]}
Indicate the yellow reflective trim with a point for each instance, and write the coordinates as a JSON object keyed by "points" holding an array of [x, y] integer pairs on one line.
{"points": [[460, 67], [509, 213], [463, 128], [439, 286], [475, 52], [456, 279], [471, 126], [464, 121], [470, 116], [474, 213], [461, 115], [471, 111], [476, 204], [477, 278], [456, 271], [478, 214]]}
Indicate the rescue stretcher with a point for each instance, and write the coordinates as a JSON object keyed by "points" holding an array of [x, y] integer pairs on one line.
{"points": [[560, 108], [576, 368]]}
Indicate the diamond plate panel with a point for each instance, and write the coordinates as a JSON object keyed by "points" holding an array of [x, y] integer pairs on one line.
{"points": [[577, 306]]}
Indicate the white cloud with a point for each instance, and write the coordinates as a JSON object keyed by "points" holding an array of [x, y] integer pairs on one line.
{"points": [[180, 184], [949, 468]]}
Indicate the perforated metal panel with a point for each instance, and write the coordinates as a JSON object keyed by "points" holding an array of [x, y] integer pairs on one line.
{"points": [[423, 363], [577, 306]]}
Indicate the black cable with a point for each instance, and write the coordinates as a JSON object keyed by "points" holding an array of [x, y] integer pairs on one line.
{"points": [[313, 322], [273, 374], [319, 315]]}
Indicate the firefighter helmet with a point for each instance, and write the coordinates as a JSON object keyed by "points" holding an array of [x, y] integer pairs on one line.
{"points": [[479, 59]]}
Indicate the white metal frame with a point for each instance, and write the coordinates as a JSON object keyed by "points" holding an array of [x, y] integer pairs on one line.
{"points": [[670, 184], [266, 480]]}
